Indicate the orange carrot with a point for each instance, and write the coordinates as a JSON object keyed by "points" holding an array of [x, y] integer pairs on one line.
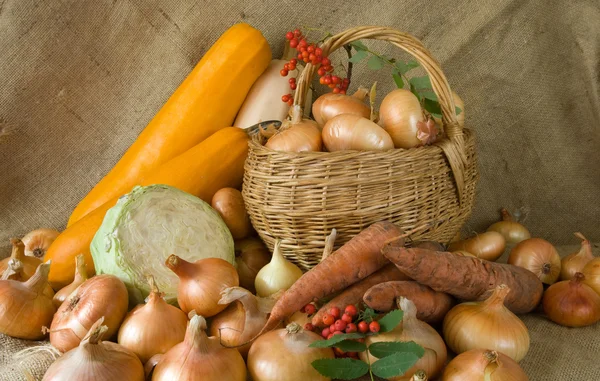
{"points": [[354, 294]]}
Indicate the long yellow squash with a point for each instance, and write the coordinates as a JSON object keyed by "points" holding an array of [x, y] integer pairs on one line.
{"points": [[206, 101], [216, 163]]}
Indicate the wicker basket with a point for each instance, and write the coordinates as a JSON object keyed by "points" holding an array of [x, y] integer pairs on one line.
{"points": [[300, 197]]}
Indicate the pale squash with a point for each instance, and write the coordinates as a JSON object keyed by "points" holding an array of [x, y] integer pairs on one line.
{"points": [[206, 101], [216, 163]]}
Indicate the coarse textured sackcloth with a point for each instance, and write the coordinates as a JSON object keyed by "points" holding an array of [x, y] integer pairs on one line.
{"points": [[80, 79]]}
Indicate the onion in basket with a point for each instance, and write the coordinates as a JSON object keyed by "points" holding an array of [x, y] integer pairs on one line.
{"points": [[353, 132]]}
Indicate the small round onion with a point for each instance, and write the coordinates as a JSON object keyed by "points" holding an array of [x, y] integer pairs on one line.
{"points": [[483, 365], [38, 241], [489, 245], [251, 255], [574, 263], [28, 264], [228, 202], [538, 256], [572, 303], [512, 231], [353, 132], [330, 105]]}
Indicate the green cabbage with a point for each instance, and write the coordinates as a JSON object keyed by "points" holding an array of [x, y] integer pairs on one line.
{"points": [[146, 226]]}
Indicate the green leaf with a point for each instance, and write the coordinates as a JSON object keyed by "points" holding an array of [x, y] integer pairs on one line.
{"points": [[335, 339], [404, 67], [386, 348], [358, 45], [429, 95], [458, 110], [367, 315], [398, 80], [342, 369], [421, 82], [358, 56], [394, 365], [375, 63], [413, 90], [351, 346], [390, 320], [432, 106]]}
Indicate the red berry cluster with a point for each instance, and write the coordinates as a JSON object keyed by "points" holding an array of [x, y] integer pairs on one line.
{"points": [[337, 323], [311, 53]]}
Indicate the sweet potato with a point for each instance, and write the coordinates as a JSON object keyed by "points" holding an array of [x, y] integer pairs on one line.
{"points": [[354, 294], [431, 305], [467, 278]]}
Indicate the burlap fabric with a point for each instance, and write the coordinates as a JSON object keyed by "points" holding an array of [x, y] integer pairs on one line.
{"points": [[80, 79]]}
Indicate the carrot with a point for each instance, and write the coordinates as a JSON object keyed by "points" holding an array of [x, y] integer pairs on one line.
{"points": [[431, 305], [354, 294], [356, 260], [467, 278], [202, 104]]}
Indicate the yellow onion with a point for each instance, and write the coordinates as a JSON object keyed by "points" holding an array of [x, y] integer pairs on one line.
{"points": [[538, 256], [300, 318], [251, 255], [592, 274], [201, 283], [489, 245], [228, 202], [242, 320], [38, 241], [80, 277], [154, 327], [401, 116], [284, 354], [574, 263], [96, 360], [483, 365], [572, 303], [102, 295], [278, 275], [512, 231], [486, 325], [297, 135], [24, 307], [28, 264], [352, 132], [200, 358], [412, 329], [330, 105]]}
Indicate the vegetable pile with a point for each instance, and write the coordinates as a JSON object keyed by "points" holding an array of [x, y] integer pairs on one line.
{"points": [[171, 282]]}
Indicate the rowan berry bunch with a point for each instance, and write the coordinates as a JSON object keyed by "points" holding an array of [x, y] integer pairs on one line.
{"points": [[310, 52]]}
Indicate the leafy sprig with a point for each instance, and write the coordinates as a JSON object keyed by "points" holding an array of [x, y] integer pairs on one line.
{"points": [[394, 358]]}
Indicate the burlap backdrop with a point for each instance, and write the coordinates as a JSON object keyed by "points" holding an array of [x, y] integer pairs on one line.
{"points": [[81, 78]]}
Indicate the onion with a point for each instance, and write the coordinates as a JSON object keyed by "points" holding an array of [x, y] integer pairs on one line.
{"points": [[574, 263], [401, 116], [80, 277], [330, 105], [38, 241], [353, 132], [489, 245], [284, 354], [154, 327], [28, 264], [96, 360], [103, 295], [412, 329], [201, 283], [512, 231], [251, 255], [572, 303], [486, 325], [300, 318], [539, 257], [200, 358], [592, 274], [483, 365], [278, 275], [228, 202], [297, 135], [24, 307], [242, 320]]}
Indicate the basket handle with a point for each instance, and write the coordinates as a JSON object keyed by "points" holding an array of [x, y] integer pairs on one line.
{"points": [[454, 146]]}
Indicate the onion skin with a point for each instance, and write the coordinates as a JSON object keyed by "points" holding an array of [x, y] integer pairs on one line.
{"points": [[38, 241], [486, 325], [24, 306], [489, 246], [572, 303], [352, 132], [574, 263], [592, 274], [29, 264], [399, 113], [80, 277], [538, 256], [512, 231], [251, 255], [330, 105], [483, 365], [100, 296], [228, 202], [284, 354], [303, 136]]}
